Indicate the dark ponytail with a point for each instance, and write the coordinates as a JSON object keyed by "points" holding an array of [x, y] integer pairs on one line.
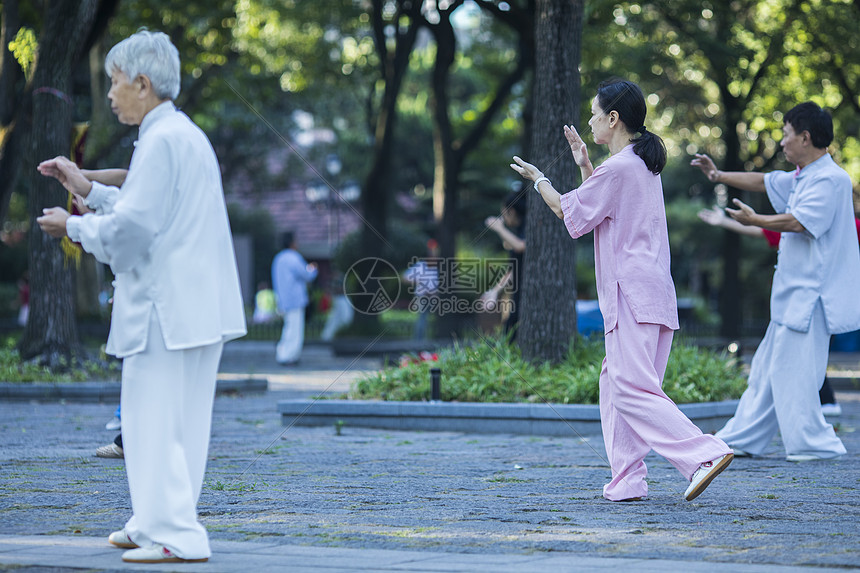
{"points": [[626, 98]]}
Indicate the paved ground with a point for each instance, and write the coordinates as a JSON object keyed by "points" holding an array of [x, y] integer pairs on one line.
{"points": [[303, 499]]}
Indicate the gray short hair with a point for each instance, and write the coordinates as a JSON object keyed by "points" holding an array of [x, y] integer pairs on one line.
{"points": [[149, 54]]}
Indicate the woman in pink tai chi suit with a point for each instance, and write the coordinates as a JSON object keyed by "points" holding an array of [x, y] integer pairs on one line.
{"points": [[622, 202]]}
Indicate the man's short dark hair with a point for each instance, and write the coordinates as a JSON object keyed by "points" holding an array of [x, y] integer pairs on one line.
{"points": [[807, 116], [287, 239]]}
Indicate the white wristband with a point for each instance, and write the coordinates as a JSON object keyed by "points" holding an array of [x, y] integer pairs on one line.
{"points": [[539, 179]]}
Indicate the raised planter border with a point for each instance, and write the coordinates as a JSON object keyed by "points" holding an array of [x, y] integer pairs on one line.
{"points": [[102, 391], [478, 418]]}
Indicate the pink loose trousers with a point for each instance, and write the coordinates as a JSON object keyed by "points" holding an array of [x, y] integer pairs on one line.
{"points": [[637, 416]]}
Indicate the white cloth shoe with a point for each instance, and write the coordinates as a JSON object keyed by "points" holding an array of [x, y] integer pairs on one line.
{"points": [[831, 409], [803, 458], [121, 539], [110, 451], [114, 424], [156, 554], [705, 475]]}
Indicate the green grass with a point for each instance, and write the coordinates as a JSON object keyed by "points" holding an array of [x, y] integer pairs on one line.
{"points": [[492, 370], [232, 486]]}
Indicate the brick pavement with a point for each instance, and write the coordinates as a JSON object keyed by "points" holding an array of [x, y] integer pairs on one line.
{"points": [[310, 499]]}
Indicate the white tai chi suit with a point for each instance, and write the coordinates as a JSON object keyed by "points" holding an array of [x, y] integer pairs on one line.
{"points": [[622, 202], [814, 296], [166, 236]]}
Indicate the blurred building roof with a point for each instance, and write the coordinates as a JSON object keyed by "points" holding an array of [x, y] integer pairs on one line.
{"points": [[319, 225]]}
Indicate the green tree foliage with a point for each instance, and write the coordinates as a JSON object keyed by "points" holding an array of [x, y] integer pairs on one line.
{"points": [[221, 88], [548, 314], [718, 77], [36, 88]]}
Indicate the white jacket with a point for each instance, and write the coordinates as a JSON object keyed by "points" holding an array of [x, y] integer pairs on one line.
{"points": [[167, 238]]}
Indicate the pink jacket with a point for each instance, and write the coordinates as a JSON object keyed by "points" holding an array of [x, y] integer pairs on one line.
{"points": [[622, 202]]}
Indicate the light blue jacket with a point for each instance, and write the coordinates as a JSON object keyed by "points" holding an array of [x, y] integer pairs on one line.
{"points": [[290, 276], [824, 262]]}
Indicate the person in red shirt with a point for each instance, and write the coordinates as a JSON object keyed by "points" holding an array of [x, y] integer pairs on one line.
{"points": [[24, 299]]}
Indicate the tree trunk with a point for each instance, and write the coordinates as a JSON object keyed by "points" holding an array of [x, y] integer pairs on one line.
{"points": [[548, 320], [445, 174], [87, 286], [450, 152], [731, 295], [10, 134], [52, 333], [10, 71], [375, 192], [394, 63]]}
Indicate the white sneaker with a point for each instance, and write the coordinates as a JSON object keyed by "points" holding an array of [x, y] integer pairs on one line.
{"points": [[121, 539], [831, 409], [114, 424], [705, 475], [156, 554], [802, 458], [741, 453]]}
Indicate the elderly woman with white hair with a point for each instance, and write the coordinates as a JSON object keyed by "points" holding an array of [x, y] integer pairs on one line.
{"points": [[162, 227]]}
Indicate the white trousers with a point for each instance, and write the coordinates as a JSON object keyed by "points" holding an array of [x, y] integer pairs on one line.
{"points": [[341, 315], [786, 373], [289, 348], [166, 401]]}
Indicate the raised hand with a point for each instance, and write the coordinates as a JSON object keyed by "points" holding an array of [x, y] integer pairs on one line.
{"points": [[743, 214], [67, 173], [706, 164], [80, 205], [577, 146], [494, 223], [713, 216], [526, 169], [53, 221]]}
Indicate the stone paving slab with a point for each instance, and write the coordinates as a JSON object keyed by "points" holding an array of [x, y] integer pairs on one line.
{"points": [[277, 497], [444, 493], [68, 553]]}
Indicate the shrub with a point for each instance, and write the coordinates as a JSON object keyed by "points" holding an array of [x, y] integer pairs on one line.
{"points": [[493, 370], [13, 369]]}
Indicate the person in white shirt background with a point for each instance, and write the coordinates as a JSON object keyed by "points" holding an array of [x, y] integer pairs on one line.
{"points": [[341, 314], [813, 294], [166, 235]]}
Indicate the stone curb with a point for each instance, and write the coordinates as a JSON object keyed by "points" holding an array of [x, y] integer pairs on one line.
{"points": [[844, 382], [75, 553], [478, 418], [102, 391]]}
